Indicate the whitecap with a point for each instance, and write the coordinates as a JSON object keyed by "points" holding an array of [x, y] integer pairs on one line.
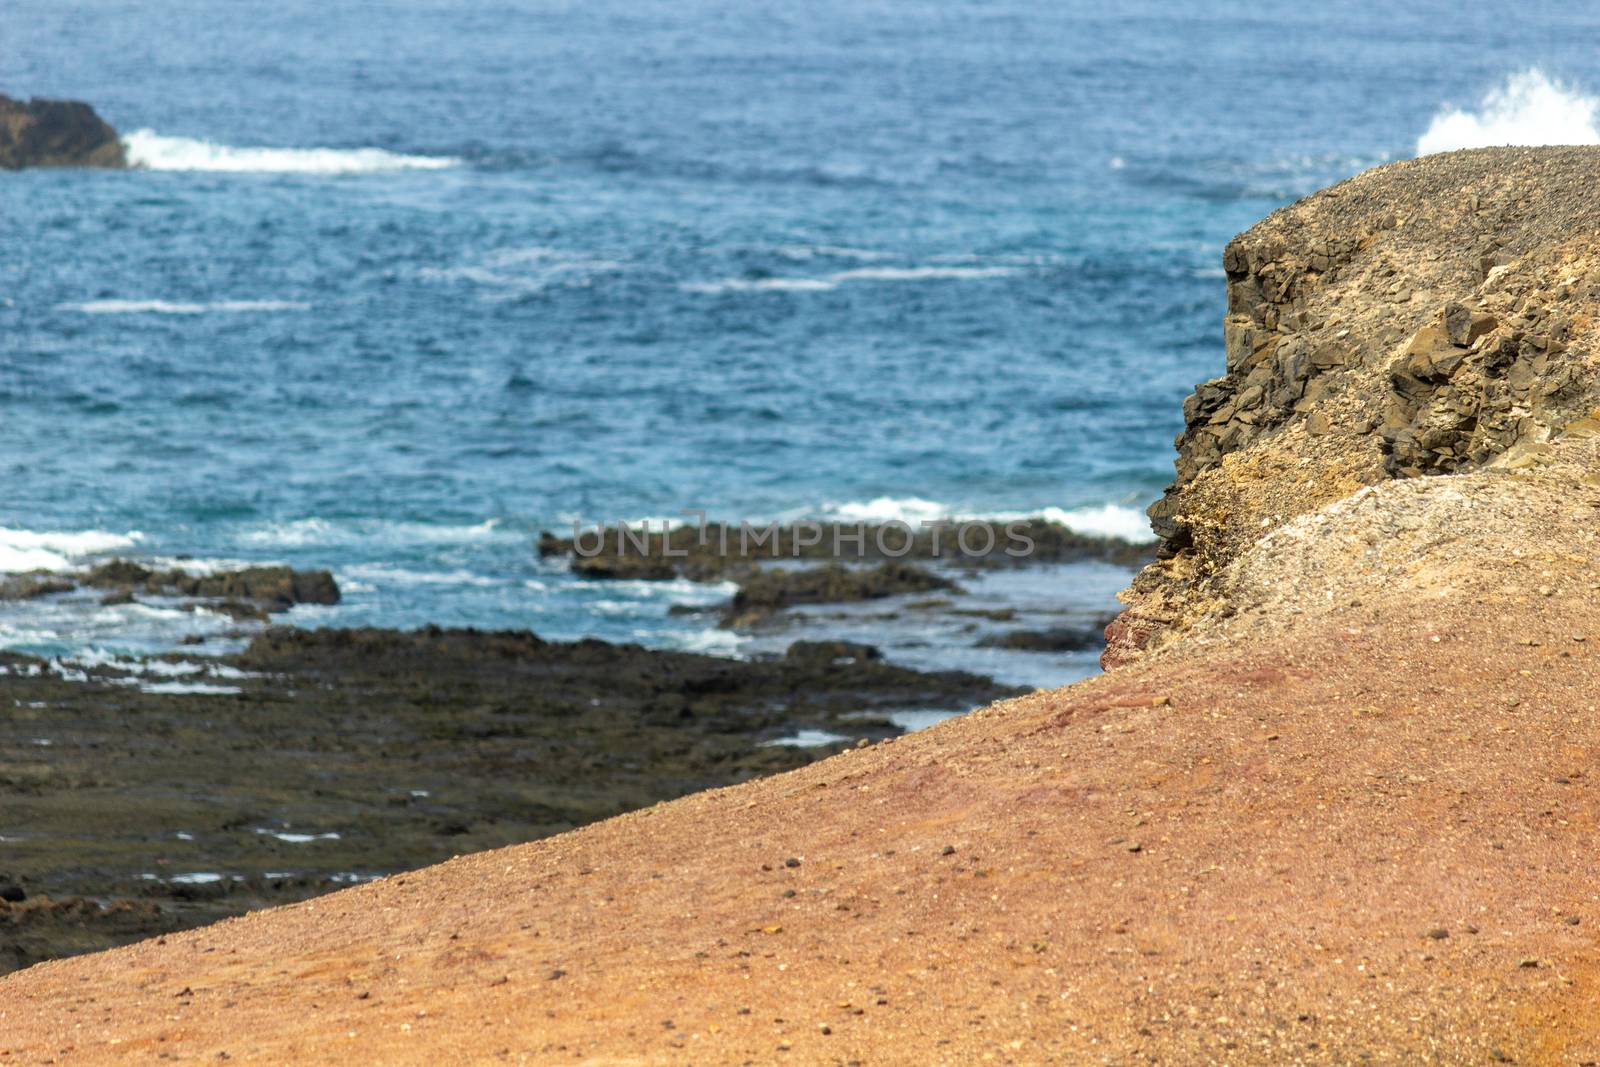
{"points": [[1529, 108], [169, 307], [857, 274], [402, 576], [149, 150], [318, 531], [29, 550], [1106, 520]]}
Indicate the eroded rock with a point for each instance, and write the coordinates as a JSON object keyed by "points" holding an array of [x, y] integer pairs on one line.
{"points": [[1428, 317], [56, 133]]}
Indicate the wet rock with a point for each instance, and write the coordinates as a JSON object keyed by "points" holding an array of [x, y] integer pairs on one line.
{"points": [[1056, 639], [721, 550], [832, 652], [55, 133], [32, 586], [244, 593], [488, 739], [768, 591]]}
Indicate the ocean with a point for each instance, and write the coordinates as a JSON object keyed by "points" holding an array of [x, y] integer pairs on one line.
{"points": [[397, 285]]}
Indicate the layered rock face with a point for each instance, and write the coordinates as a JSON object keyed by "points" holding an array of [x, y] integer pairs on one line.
{"points": [[55, 133], [1429, 317]]}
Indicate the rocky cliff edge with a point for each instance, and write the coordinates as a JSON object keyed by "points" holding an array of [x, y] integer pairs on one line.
{"points": [[1409, 399]]}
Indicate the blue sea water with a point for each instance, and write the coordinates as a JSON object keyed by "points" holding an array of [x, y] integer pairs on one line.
{"points": [[402, 283]]}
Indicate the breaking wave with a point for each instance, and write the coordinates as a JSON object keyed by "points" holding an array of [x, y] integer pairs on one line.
{"points": [[27, 550], [1529, 108], [169, 307], [1107, 520], [153, 151]]}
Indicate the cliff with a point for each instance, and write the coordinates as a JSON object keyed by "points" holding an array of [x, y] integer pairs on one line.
{"points": [[1431, 317], [55, 133]]}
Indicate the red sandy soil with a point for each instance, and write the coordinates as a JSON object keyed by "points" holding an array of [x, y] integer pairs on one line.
{"points": [[1358, 840]]}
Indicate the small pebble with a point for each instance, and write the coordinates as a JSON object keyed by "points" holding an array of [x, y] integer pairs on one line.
{"points": [[791, 862]]}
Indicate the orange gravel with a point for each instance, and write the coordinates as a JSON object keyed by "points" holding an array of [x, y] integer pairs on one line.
{"points": [[1359, 840]]}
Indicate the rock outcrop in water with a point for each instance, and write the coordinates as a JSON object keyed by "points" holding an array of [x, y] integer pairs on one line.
{"points": [[1434, 316], [56, 133]]}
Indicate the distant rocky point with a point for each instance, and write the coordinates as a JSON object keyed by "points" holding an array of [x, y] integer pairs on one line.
{"points": [[56, 133]]}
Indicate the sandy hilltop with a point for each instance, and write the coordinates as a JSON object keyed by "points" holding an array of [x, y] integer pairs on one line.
{"points": [[1333, 803]]}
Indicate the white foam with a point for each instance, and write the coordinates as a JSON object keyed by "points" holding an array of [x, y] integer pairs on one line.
{"points": [[190, 688], [28, 550], [298, 839], [1530, 108], [153, 151], [169, 307], [843, 277], [317, 531], [197, 878], [908, 509], [1106, 520], [402, 576], [712, 641], [805, 739]]}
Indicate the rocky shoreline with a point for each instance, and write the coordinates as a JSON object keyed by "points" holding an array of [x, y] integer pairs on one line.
{"points": [[326, 757], [374, 751]]}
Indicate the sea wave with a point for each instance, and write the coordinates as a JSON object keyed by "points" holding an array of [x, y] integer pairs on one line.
{"points": [[403, 576], [1105, 520], [318, 531], [29, 550], [844, 277], [169, 307], [149, 150], [1529, 108]]}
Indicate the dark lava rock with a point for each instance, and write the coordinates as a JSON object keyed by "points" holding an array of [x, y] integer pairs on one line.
{"points": [[720, 550], [55, 133], [244, 593], [30, 586], [412, 747], [1055, 639], [768, 591], [831, 652]]}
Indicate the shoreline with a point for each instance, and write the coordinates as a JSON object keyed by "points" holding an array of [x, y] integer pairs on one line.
{"points": [[370, 752]]}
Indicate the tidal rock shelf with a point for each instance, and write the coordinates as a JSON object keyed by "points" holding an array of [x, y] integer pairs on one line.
{"points": [[334, 756]]}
